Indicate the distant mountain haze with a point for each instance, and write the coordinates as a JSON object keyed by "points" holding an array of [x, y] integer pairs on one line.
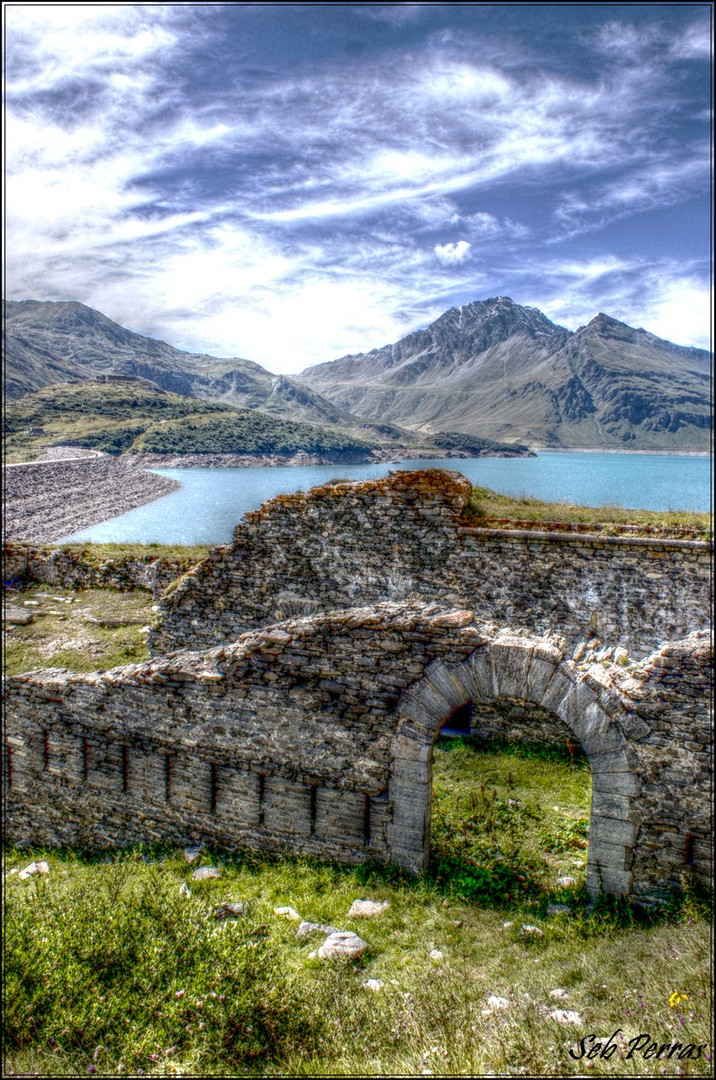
{"points": [[490, 369], [506, 372]]}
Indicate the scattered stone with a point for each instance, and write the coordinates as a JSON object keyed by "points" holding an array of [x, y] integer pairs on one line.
{"points": [[435, 954], [454, 619], [565, 882], [343, 945], [532, 930], [372, 984], [35, 868], [205, 872], [457, 923], [565, 1016], [184, 889], [308, 928], [361, 909], [498, 1002], [16, 615], [287, 913], [191, 854], [230, 909], [558, 909], [11, 872], [558, 993], [507, 925]]}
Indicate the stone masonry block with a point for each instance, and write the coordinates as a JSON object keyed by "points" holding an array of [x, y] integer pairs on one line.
{"points": [[611, 805], [596, 732], [538, 677], [613, 856], [434, 702], [510, 664], [616, 782], [446, 684], [612, 830], [612, 881], [480, 665]]}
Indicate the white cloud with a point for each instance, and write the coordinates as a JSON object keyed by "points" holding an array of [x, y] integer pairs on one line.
{"points": [[453, 254], [667, 298]]}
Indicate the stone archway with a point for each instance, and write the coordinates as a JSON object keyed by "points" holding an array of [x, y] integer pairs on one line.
{"points": [[534, 673]]}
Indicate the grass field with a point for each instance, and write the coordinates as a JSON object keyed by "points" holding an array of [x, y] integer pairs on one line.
{"points": [[487, 507], [111, 969]]}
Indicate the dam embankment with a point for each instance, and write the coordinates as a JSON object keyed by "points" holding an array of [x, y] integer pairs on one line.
{"points": [[45, 500]]}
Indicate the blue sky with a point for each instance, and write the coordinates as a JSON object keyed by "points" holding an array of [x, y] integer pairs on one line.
{"points": [[291, 183]]}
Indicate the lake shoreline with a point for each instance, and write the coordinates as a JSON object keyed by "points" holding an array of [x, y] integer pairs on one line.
{"points": [[619, 450]]}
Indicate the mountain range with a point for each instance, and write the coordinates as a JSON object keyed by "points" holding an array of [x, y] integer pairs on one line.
{"points": [[491, 370], [506, 372]]}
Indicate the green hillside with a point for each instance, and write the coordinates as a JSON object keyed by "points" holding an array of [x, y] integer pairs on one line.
{"points": [[137, 416]]}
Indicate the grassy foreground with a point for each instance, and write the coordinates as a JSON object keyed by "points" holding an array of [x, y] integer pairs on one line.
{"points": [[112, 969]]}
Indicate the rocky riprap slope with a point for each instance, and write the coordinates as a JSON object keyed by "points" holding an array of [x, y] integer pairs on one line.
{"points": [[506, 372], [46, 500]]}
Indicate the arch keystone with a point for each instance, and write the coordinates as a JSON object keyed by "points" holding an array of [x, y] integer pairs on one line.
{"points": [[510, 664]]}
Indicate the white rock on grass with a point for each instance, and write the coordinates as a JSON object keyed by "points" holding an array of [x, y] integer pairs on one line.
{"points": [[435, 954], [287, 913], [34, 868], [565, 882], [184, 889], [306, 929], [496, 1002], [362, 909], [372, 984], [558, 993], [565, 1016], [532, 930], [344, 945], [205, 872]]}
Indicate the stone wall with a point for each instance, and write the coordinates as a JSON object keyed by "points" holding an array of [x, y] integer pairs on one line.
{"points": [[73, 568], [400, 538], [316, 735]]}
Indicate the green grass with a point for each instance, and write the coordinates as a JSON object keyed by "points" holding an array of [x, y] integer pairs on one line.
{"points": [[184, 554], [121, 418], [490, 507], [66, 630], [109, 967]]}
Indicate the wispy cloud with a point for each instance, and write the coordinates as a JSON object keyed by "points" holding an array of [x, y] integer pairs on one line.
{"points": [[199, 173]]}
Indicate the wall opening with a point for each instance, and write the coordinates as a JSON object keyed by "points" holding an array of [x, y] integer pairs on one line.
{"points": [[509, 818], [458, 722]]}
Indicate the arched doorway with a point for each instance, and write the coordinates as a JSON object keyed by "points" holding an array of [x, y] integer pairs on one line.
{"points": [[510, 807], [529, 671]]}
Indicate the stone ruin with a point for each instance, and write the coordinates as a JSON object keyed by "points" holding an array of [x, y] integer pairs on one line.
{"points": [[301, 675]]}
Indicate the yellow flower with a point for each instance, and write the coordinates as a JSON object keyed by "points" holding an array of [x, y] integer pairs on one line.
{"points": [[677, 998]]}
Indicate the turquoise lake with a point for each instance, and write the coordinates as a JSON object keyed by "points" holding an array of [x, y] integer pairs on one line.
{"points": [[212, 501]]}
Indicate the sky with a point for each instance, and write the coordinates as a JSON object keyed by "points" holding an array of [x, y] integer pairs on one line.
{"points": [[291, 183]]}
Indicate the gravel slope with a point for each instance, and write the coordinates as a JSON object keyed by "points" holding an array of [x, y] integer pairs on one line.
{"points": [[45, 500]]}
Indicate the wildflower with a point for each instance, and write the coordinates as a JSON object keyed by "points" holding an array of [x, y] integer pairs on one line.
{"points": [[677, 998], [180, 993]]}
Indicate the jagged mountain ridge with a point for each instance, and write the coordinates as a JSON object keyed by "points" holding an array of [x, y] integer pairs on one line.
{"points": [[507, 372]]}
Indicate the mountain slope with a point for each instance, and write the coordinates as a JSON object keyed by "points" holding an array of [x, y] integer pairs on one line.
{"points": [[52, 342], [506, 372], [134, 416]]}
